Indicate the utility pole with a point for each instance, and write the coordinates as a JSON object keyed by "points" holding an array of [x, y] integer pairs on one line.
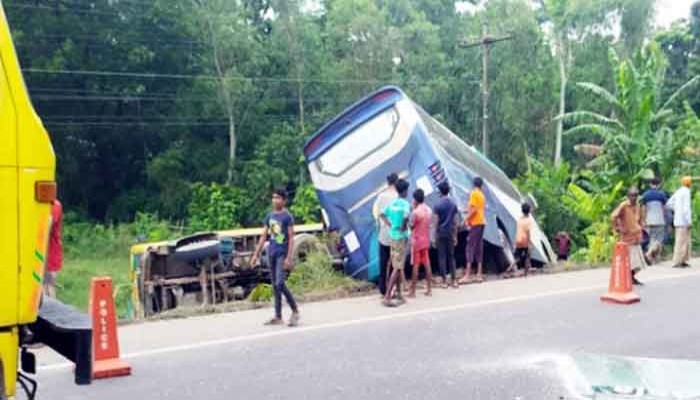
{"points": [[485, 41]]}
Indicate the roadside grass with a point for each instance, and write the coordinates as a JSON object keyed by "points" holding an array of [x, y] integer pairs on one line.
{"points": [[73, 284]]}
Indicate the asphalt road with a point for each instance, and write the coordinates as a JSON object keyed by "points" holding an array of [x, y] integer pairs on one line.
{"points": [[525, 347]]}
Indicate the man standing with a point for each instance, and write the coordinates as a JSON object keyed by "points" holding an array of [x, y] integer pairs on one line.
{"points": [[54, 261], [680, 204], [627, 222], [279, 230], [396, 216], [476, 222], [420, 242], [446, 212], [383, 200], [522, 244], [653, 202]]}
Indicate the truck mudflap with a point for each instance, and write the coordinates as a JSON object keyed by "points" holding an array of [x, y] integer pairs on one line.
{"points": [[69, 332]]}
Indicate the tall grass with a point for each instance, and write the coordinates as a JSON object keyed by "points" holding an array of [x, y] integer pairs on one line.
{"points": [[92, 250]]}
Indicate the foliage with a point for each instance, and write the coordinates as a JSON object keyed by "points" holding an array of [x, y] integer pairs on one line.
{"points": [[216, 207], [305, 206], [593, 209], [261, 293], [548, 185], [638, 141], [317, 274]]}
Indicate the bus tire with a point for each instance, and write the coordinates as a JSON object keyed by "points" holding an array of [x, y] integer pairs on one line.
{"points": [[305, 244]]}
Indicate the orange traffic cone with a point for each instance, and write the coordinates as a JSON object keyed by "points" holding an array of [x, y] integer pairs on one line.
{"points": [[620, 289], [105, 344]]}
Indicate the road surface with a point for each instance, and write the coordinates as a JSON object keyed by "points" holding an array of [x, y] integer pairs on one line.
{"points": [[545, 337]]}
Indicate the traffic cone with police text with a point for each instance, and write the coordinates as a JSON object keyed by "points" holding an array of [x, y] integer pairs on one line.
{"points": [[620, 289], [105, 344]]}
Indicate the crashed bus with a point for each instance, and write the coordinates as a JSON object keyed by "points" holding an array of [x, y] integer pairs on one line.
{"points": [[349, 158]]}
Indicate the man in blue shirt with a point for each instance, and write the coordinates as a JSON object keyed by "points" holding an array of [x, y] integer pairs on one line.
{"points": [[653, 203], [396, 216], [278, 231], [445, 233]]}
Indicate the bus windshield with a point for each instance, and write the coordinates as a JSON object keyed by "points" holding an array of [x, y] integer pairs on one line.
{"points": [[359, 143]]}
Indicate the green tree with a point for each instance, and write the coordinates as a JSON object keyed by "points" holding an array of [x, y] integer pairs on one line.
{"points": [[638, 141]]}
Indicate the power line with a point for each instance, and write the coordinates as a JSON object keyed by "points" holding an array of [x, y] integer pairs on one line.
{"points": [[188, 76], [67, 9]]}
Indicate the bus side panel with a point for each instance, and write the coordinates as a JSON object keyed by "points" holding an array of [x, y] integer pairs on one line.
{"points": [[8, 188]]}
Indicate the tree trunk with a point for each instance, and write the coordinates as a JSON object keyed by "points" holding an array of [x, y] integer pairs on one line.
{"points": [[231, 146], [563, 79]]}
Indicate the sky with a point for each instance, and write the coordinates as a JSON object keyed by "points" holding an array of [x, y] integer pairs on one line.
{"points": [[667, 11]]}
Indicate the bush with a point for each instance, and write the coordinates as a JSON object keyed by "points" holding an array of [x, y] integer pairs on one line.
{"points": [[261, 293], [216, 207], [306, 208], [549, 184]]}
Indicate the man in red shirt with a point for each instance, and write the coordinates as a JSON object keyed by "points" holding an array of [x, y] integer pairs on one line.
{"points": [[54, 261]]}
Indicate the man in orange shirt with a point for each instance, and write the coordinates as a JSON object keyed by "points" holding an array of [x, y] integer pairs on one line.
{"points": [[627, 222], [476, 222]]}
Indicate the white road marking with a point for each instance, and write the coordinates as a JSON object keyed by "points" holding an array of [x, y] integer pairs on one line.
{"points": [[360, 321]]}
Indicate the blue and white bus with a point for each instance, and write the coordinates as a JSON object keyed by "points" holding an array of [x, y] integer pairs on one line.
{"points": [[350, 157]]}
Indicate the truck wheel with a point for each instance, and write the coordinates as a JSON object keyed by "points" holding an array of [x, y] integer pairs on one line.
{"points": [[305, 244]]}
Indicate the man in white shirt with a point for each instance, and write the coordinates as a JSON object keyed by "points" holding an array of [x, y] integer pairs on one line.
{"points": [[383, 200], [681, 205]]}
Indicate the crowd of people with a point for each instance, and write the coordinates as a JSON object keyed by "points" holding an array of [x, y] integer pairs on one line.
{"points": [[649, 217], [406, 232]]}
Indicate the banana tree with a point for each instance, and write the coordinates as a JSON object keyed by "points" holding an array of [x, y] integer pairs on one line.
{"points": [[637, 139]]}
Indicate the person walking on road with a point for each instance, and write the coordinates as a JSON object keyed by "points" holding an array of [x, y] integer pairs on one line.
{"points": [[446, 212], [476, 222], [420, 242], [54, 261], [278, 231], [627, 222], [383, 200], [681, 205], [396, 215], [653, 202], [522, 243]]}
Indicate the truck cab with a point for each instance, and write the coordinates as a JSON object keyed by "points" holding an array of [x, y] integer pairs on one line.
{"points": [[28, 188]]}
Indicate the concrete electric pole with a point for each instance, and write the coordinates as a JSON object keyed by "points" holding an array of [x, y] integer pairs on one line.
{"points": [[486, 41]]}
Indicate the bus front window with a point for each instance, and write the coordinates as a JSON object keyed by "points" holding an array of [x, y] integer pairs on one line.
{"points": [[359, 143]]}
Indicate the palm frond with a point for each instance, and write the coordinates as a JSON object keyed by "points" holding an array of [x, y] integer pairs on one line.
{"points": [[599, 91], [596, 129], [577, 116], [680, 91]]}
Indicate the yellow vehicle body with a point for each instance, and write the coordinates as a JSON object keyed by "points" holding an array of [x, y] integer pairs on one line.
{"points": [[26, 157]]}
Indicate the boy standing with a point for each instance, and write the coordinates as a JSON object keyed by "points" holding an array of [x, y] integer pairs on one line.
{"points": [[396, 215], [446, 212], [383, 200], [522, 243], [420, 241], [279, 230]]}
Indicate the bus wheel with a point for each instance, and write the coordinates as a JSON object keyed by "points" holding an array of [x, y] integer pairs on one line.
{"points": [[305, 244]]}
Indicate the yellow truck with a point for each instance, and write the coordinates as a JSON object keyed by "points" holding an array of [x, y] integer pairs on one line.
{"points": [[27, 188]]}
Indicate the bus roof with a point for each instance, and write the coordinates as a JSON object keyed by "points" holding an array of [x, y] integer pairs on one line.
{"points": [[354, 115]]}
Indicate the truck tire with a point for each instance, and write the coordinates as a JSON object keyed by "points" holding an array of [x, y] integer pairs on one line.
{"points": [[305, 244], [197, 251]]}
